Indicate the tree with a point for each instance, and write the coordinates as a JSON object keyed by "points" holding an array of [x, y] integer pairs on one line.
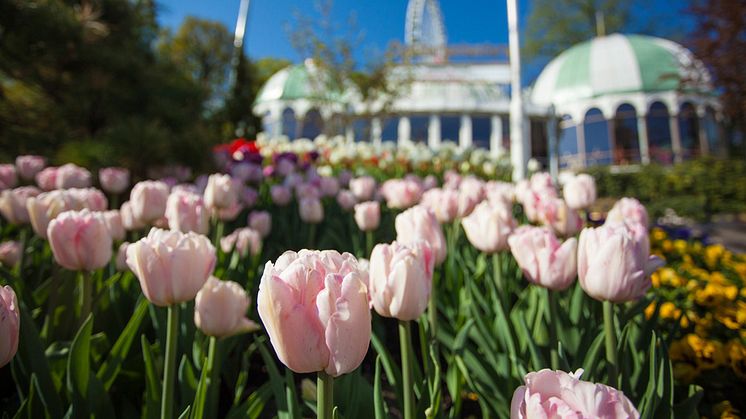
{"points": [[719, 40]]}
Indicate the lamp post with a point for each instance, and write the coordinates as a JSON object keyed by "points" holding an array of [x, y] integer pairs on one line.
{"points": [[238, 37], [518, 144]]}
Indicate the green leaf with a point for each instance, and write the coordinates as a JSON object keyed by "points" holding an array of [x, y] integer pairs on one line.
{"points": [[185, 413], [381, 411], [79, 368], [594, 352], [152, 383], [687, 408], [254, 405], [275, 379], [290, 396], [113, 364]]}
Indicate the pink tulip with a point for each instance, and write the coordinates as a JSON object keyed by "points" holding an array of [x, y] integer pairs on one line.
{"points": [[121, 260], [46, 179], [368, 215], [543, 259], [113, 220], [10, 253], [28, 166], [281, 195], [401, 193], [451, 179], [555, 213], [314, 307], [311, 211], [429, 182], [230, 213], [220, 309], [8, 177], [500, 193], [80, 240], [10, 325], [45, 207], [221, 192], [363, 188], [90, 198], [13, 204], [542, 181], [419, 223], [249, 196], [614, 262], [261, 221], [580, 191], [628, 210], [148, 201], [129, 221], [346, 200], [488, 227], [470, 193], [245, 240], [172, 266], [307, 190], [186, 211], [444, 203], [401, 279], [329, 186], [72, 176], [114, 180], [557, 394]]}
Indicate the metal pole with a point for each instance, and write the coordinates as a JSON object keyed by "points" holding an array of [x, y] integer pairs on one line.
{"points": [[518, 147], [238, 38]]}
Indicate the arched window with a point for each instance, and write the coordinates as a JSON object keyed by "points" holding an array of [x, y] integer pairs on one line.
{"points": [[568, 143], [418, 128], [449, 128], [289, 124], [539, 142], [689, 131], [626, 139], [711, 130], [390, 131], [361, 128], [659, 134], [313, 124], [596, 134], [481, 129]]}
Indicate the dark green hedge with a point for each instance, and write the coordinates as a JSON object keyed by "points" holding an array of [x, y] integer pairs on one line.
{"points": [[697, 189]]}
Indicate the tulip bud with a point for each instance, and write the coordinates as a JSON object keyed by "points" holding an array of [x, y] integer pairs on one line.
{"points": [[8, 177], [186, 211], [46, 179], [628, 210], [470, 193], [558, 394], [44, 208], [261, 221], [329, 186], [148, 201], [311, 211], [614, 262], [10, 253], [113, 220], [488, 227], [13, 204], [363, 188], [129, 221], [401, 279], [314, 307], [121, 260], [346, 200], [72, 176], [221, 192], [171, 266], [10, 325], [114, 180], [401, 193], [281, 195], [419, 223], [28, 166], [368, 215], [220, 309], [555, 213], [541, 257], [444, 203], [580, 191], [80, 240], [244, 240], [90, 198]]}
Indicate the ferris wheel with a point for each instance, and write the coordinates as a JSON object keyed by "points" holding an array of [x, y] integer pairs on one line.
{"points": [[424, 31]]}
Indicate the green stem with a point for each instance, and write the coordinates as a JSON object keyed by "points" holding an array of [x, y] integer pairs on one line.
{"points": [[169, 370], [23, 240], [368, 243], [312, 236], [552, 324], [406, 366], [219, 228], [324, 396], [86, 295], [611, 344], [214, 375], [432, 306]]}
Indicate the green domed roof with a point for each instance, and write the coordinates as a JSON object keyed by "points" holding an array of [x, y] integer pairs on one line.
{"points": [[300, 81], [617, 64]]}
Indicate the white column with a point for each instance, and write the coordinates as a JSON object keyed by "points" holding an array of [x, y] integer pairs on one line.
{"points": [[518, 143], [496, 136], [464, 132], [642, 137], [673, 123], [375, 131], [404, 130], [433, 132], [349, 133]]}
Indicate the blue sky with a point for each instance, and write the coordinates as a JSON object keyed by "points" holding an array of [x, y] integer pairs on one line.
{"points": [[380, 21]]}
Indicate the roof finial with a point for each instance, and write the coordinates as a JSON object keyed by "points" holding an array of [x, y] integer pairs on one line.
{"points": [[600, 24]]}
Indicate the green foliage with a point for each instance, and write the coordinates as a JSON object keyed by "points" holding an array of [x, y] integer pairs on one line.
{"points": [[697, 189]]}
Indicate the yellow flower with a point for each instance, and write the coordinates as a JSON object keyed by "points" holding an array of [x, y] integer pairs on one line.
{"points": [[669, 311], [737, 358], [681, 246], [713, 254], [649, 310], [685, 373], [724, 410], [658, 234], [667, 246]]}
